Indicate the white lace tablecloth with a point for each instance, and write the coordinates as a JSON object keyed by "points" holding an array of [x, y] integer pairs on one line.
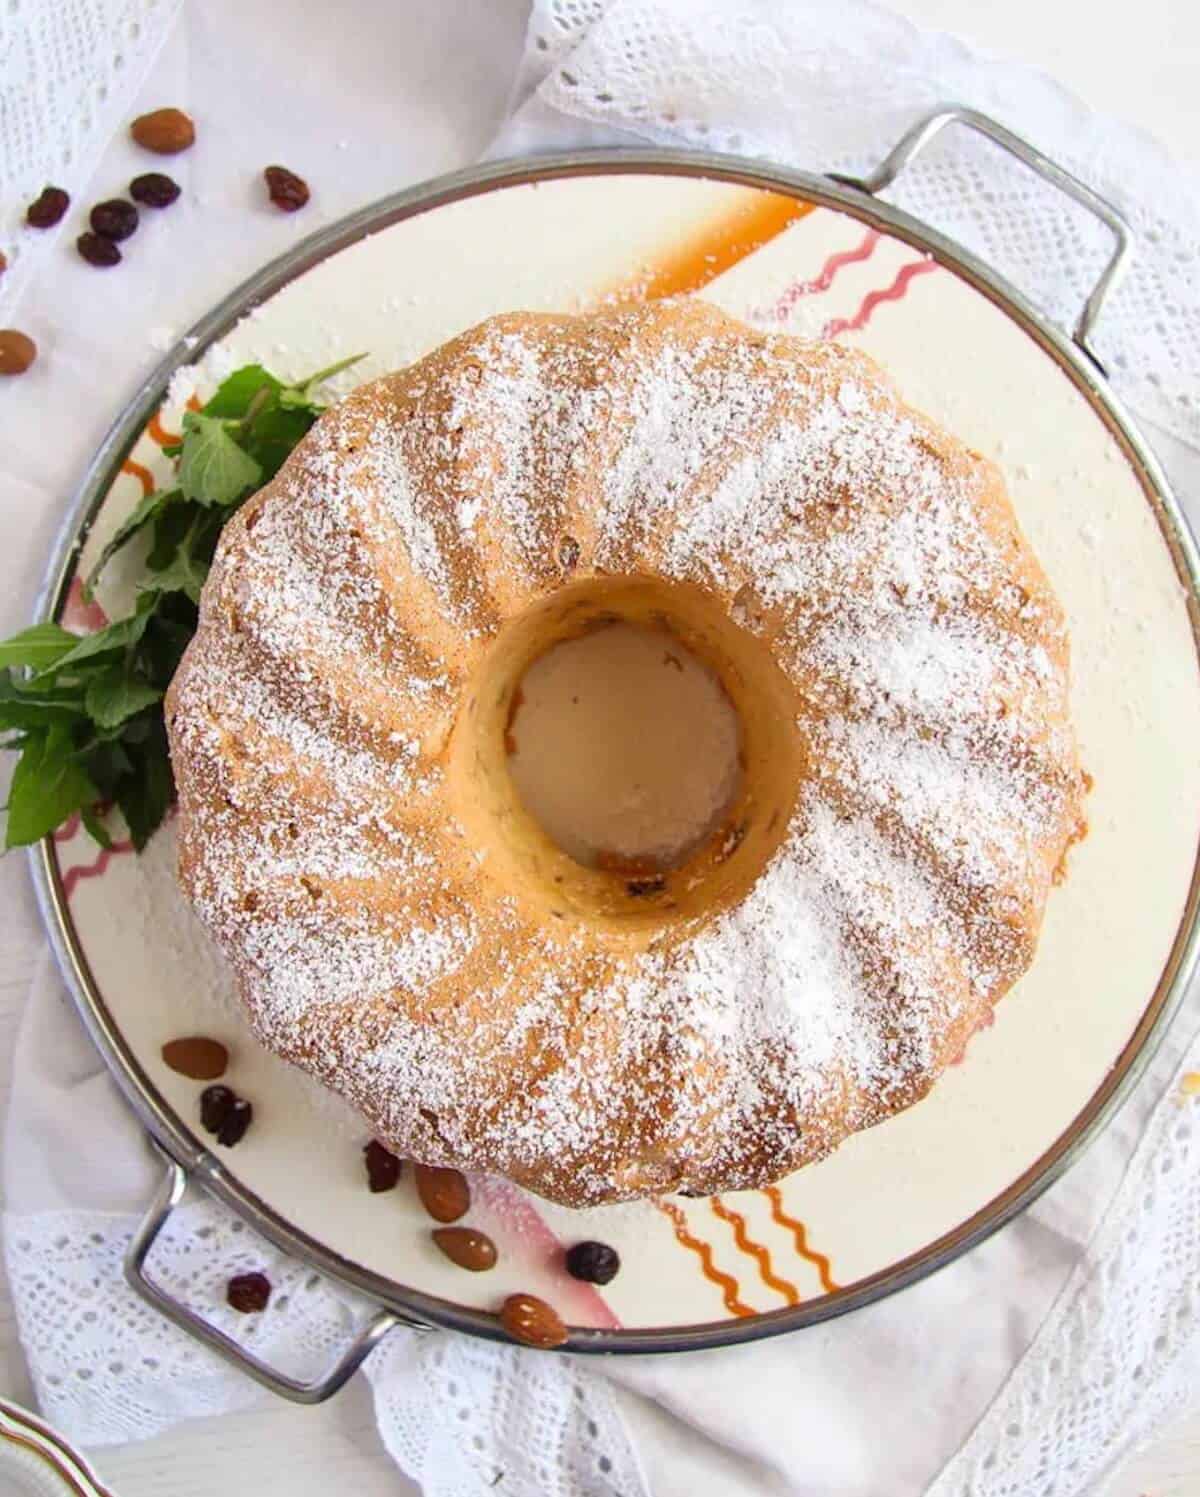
{"points": [[1049, 1350]]}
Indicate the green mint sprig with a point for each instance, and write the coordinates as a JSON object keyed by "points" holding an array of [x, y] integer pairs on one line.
{"points": [[85, 712]]}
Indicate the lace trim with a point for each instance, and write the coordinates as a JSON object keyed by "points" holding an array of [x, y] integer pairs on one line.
{"points": [[453, 1412]]}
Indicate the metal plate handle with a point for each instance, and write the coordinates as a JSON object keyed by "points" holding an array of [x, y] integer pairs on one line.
{"points": [[914, 141], [167, 1197]]}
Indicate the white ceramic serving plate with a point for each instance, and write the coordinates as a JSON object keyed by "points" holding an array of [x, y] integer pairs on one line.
{"points": [[898, 1200]]}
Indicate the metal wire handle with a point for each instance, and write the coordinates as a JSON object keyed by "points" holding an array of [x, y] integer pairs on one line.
{"points": [[167, 1197], [914, 141]]}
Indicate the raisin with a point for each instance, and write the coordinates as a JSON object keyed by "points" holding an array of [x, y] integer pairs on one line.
{"points": [[154, 189], [215, 1105], [17, 351], [115, 219], [97, 250], [285, 189], [531, 1320], [236, 1121], [47, 208], [638, 888], [3, 262], [383, 1168], [593, 1262], [248, 1292]]}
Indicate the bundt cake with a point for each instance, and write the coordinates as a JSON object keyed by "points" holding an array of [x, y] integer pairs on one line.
{"points": [[399, 924]]}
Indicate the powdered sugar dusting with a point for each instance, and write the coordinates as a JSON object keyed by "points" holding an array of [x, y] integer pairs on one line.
{"points": [[876, 559]]}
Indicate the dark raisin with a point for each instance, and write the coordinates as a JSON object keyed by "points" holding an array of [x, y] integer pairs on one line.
{"points": [[593, 1262], [638, 888], [285, 189], [154, 189], [47, 208], [115, 219], [215, 1104], [97, 250], [248, 1292], [236, 1121], [383, 1168]]}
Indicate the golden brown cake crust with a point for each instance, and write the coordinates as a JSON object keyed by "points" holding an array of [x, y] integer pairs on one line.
{"points": [[910, 811]]}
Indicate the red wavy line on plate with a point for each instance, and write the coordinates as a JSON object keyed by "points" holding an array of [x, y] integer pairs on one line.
{"points": [[828, 273], [158, 432], [755, 1250], [82, 871], [517, 1212], [143, 475], [68, 828], [895, 292], [800, 1232], [728, 1285]]}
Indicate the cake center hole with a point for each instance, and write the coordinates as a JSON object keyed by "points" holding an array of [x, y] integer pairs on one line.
{"points": [[625, 748]]}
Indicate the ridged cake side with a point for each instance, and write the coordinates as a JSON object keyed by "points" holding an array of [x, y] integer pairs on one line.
{"points": [[874, 556]]}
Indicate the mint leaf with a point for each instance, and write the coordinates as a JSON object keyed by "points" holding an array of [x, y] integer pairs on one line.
{"points": [[188, 566], [184, 575], [47, 785], [274, 435], [213, 469], [148, 509], [145, 795], [171, 525], [27, 705], [38, 646], [107, 763], [89, 721], [169, 633], [303, 394], [114, 695], [235, 394], [96, 829], [117, 636]]}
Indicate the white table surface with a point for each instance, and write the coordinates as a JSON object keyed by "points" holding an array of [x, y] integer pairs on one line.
{"points": [[451, 85]]}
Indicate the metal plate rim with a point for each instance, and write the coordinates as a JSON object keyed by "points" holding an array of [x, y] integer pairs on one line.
{"points": [[160, 1121]]}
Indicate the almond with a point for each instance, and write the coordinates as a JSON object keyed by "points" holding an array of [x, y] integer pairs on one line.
{"points": [[531, 1320], [163, 131], [468, 1248], [198, 1058], [17, 351], [444, 1193]]}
